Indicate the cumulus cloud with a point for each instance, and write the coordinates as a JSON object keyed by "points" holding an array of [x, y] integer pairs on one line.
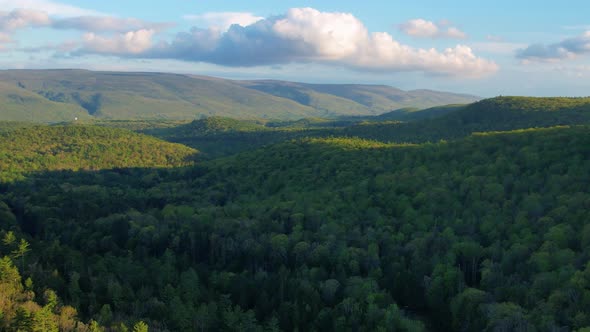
{"points": [[223, 20], [308, 35], [566, 49], [426, 29], [132, 42], [241, 39]]}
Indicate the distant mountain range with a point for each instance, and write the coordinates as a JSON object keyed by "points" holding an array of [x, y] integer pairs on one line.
{"points": [[62, 95]]}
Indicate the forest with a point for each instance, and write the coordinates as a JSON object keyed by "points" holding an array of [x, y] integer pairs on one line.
{"points": [[471, 218]]}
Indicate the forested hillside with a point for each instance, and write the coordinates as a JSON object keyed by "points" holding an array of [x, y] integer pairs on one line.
{"points": [[219, 137], [488, 232], [73, 147], [500, 113]]}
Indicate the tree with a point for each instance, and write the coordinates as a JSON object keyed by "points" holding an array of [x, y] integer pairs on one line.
{"points": [[21, 251], [9, 239], [140, 327]]}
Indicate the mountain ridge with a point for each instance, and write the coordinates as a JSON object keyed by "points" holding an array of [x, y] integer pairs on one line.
{"points": [[146, 95]]}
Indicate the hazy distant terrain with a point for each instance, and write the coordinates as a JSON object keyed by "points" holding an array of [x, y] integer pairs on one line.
{"points": [[61, 95]]}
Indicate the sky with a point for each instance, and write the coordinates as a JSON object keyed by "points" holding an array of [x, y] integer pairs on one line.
{"points": [[486, 48]]}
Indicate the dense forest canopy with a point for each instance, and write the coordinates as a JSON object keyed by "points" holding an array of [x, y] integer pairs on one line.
{"points": [[77, 147], [448, 223]]}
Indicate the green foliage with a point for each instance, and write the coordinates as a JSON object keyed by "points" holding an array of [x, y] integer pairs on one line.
{"points": [[140, 327], [486, 232], [219, 137], [84, 147], [19, 311], [495, 114]]}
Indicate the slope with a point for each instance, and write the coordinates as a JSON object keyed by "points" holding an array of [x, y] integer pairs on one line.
{"points": [[117, 95], [357, 99], [126, 95], [46, 148], [500, 113], [18, 104]]}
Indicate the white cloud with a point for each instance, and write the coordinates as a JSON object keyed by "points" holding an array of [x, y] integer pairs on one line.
{"points": [[132, 42], [223, 20], [308, 35], [331, 35], [50, 7], [421, 28], [455, 33]]}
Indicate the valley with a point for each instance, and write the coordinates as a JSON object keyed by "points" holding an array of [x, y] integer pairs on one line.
{"points": [[328, 208]]}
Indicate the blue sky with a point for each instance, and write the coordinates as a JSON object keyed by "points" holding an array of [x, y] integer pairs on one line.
{"points": [[485, 48]]}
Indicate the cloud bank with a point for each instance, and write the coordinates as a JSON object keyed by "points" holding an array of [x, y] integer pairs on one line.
{"points": [[302, 35], [421, 28], [133, 42], [306, 35], [566, 49]]}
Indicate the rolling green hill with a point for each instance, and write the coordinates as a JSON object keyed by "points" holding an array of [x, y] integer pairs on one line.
{"points": [[17, 104], [45, 148], [59, 95], [500, 113], [219, 136], [356, 99]]}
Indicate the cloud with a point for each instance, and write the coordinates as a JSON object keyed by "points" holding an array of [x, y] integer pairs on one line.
{"points": [[223, 20], [22, 18], [106, 24], [308, 35], [50, 7], [566, 49], [426, 29], [133, 35], [133, 42]]}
